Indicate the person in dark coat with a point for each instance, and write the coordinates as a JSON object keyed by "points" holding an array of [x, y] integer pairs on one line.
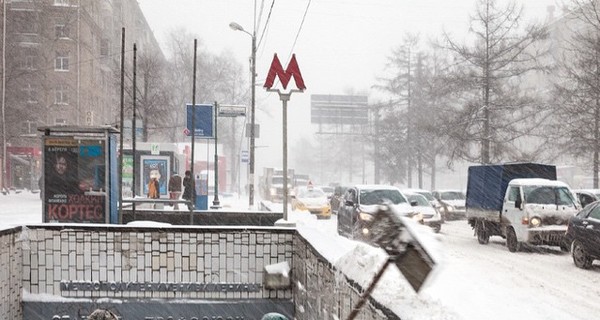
{"points": [[188, 188], [175, 189]]}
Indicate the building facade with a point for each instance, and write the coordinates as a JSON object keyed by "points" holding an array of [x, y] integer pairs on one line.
{"points": [[62, 63]]}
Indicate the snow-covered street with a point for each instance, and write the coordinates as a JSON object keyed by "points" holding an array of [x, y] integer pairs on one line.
{"points": [[473, 282]]}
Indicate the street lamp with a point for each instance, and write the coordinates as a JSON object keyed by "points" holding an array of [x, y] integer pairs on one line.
{"points": [[235, 26]]}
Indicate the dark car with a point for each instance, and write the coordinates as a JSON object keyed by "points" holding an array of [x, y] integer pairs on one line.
{"points": [[361, 201], [583, 235]]}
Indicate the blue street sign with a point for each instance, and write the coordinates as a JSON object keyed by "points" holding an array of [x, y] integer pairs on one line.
{"points": [[204, 120]]}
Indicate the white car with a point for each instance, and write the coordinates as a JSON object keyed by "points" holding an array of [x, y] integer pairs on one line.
{"points": [[452, 203], [430, 215]]}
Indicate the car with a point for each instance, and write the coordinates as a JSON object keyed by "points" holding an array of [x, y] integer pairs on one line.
{"points": [[427, 194], [583, 236], [312, 199], [429, 215], [452, 204], [361, 201], [328, 190], [587, 196]]}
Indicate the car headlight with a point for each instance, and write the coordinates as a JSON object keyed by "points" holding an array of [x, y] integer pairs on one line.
{"points": [[365, 216], [417, 216], [273, 191], [535, 221], [449, 208]]}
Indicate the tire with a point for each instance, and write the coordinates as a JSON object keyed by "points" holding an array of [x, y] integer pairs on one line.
{"points": [[580, 256], [437, 228], [512, 243], [483, 237]]}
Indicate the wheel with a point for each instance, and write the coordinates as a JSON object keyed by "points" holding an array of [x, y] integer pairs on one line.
{"points": [[483, 237], [436, 228], [511, 240], [580, 257]]}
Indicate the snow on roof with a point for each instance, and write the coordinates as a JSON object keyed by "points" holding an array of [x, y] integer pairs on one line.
{"points": [[537, 182]]}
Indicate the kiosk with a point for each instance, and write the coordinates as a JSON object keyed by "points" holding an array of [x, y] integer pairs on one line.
{"points": [[80, 174]]}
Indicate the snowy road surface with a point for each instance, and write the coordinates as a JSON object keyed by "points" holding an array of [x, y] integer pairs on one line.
{"points": [[473, 282]]}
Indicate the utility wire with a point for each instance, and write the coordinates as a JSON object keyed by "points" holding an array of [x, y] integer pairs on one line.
{"points": [[299, 29], [266, 24]]}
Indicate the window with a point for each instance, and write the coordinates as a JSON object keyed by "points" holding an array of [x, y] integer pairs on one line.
{"points": [[64, 3], [595, 214], [104, 47], [513, 194], [30, 93], [61, 63], [28, 63], [61, 31], [61, 95]]}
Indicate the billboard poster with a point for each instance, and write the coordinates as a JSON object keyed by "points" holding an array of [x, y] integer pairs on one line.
{"points": [[127, 176], [74, 180], [155, 166]]}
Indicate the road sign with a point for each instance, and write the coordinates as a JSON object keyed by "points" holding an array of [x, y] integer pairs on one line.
{"points": [[232, 111], [203, 120], [244, 156], [388, 231]]}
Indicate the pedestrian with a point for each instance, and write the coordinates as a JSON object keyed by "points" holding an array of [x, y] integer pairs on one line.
{"points": [[175, 189], [188, 188]]}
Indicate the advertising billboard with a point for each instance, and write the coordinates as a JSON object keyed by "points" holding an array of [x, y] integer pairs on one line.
{"points": [[155, 166], [74, 180]]}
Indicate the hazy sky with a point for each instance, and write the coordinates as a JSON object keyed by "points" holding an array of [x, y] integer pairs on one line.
{"points": [[341, 45]]}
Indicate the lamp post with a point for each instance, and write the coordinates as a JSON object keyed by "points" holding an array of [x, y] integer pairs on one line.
{"points": [[237, 27]]}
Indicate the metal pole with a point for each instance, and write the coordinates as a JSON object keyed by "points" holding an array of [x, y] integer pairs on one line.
{"points": [[216, 204], [285, 98], [133, 128], [3, 95], [121, 126], [367, 292], [252, 121], [193, 134]]}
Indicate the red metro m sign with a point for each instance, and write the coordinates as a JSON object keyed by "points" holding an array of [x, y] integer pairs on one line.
{"points": [[284, 75]]}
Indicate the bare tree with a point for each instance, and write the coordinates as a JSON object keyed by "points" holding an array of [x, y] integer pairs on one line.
{"points": [[495, 110], [576, 125]]}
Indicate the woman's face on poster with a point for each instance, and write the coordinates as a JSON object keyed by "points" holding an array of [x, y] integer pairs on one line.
{"points": [[155, 173]]}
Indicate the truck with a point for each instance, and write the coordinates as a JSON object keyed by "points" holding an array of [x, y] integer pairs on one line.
{"points": [[271, 184], [520, 202]]}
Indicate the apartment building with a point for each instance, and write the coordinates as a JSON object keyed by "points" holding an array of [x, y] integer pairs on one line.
{"points": [[62, 64]]}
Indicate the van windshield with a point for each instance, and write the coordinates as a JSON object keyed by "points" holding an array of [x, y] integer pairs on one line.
{"points": [[548, 195]]}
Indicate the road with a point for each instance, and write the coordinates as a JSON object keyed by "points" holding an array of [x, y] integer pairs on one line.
{"points": [[472, 281]]}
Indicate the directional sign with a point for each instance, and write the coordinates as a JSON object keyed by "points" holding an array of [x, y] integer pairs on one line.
{"points": [[232, 111]]}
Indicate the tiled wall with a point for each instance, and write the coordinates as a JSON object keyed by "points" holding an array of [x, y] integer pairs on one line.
{"points": [[10, 274], [154, 256], [324, 293], [36, 259]]}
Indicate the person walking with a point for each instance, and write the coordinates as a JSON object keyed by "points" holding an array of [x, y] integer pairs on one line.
{"points": [[188, 188], [175, 189]]}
